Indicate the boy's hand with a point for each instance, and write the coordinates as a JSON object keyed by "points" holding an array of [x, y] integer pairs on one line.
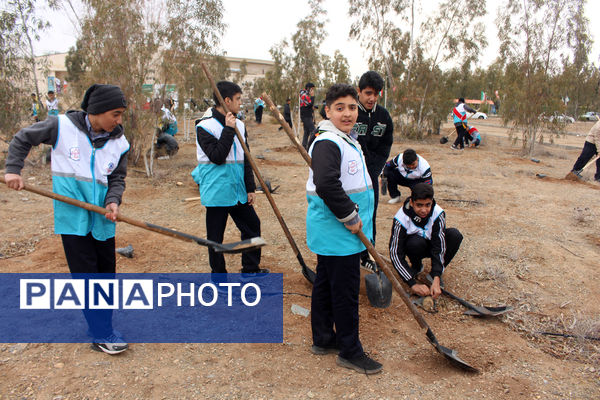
{"points": [[230, 120], [112, 210], [435, 289], [14, 181], [420, 289], [354, 228], [251, 198]]}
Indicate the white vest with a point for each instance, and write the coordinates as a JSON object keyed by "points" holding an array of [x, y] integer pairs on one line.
{"points": [[325, 234], [81, 172], [411, 228], [413, 174], [221, 185]]}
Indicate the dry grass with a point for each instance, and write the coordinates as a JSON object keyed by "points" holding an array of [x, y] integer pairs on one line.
{"points": [[18, 248], [582, 331]]}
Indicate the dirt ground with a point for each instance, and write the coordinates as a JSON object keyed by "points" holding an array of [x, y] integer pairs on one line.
{"points": [[530, 243]]}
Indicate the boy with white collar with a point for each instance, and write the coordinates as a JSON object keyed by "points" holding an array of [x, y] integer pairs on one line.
{"points": [[340, 203]]}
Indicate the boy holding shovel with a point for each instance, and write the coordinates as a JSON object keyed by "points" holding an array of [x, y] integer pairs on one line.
{"points": [[340, 203], [89, 163], [226, 179]]}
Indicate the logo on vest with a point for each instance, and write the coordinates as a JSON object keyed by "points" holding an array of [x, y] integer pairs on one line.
{"points": [[110, 167], [352, 167], [74, 154]]}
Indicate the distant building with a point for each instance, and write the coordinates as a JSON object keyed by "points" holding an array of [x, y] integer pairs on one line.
{"points": [[53, 66]]}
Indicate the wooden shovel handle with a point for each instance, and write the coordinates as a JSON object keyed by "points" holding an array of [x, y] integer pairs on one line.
{"points": [[387, 270], [286, 127]]}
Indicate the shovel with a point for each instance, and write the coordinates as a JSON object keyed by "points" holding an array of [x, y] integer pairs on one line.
{"points": [[444, 139], [379, 289], [450, 354], [572, 177], [237, 247], [308, 273], [473, 310]]}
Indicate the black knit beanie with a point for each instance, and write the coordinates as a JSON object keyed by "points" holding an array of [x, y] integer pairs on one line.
{"points": [[99, 99]]}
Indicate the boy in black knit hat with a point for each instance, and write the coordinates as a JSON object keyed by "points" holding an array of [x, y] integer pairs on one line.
{"points": [[89, 163]]}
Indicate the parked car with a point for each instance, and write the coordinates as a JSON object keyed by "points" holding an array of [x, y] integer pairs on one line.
{"points": [[477, 115], [590, 116], [561, 118]]}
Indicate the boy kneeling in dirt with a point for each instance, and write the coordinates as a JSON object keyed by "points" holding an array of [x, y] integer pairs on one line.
{"points": [[340, 203], [406, 169], [89, 163], [419, 231], [226, 179]]}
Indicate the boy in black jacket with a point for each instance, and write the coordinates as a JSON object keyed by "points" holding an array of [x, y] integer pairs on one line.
{"points": [[419, 231], [226, 179], [375, 131]]}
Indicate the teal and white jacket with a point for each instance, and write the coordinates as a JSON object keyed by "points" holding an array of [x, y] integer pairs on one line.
{"points": [[224, 175], [86, 169], [338, 189]]}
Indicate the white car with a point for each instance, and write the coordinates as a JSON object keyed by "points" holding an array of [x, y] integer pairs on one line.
{"points": [[477, 115], [589, 116], [561, 118]]}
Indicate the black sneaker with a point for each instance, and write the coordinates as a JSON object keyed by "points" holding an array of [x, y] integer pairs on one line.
{"points": [[369, 265], [577, 173], [363, 364], [112, 344], [322, 350]]}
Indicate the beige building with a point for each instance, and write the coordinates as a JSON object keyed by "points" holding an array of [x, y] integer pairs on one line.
{"points": [[53, 66]]}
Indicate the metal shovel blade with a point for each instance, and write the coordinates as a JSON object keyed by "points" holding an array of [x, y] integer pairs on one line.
{"points": [[444, 140], [488, 311], [379, 289], [240, 247], [473, 310], [478, 311], [449, 353]]}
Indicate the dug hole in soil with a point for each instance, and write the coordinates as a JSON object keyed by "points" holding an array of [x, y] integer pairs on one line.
{"points": [[529, 243]]}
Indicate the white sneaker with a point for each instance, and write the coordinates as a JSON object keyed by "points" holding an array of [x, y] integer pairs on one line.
{"points": [[394, 200]]}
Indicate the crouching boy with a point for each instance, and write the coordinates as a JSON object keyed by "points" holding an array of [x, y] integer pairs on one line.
{"points": [[419, 231], [340, 203], [406, 169]]}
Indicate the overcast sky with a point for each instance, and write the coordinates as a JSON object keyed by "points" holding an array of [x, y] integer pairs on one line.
{"points": [[255, 26]]}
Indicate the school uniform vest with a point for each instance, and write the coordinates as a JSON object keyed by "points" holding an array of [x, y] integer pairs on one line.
{"points": [[422, 168], [52, 107], [474, 133], [81, 172], [325, 235], [221, 185], [460, 114], [413, 229]]}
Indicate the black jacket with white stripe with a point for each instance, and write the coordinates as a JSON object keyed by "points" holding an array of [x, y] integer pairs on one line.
{"points": [[433, 232]]}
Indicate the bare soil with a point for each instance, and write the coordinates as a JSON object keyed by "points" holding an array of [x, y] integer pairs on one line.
{"points": [[530, 243]]}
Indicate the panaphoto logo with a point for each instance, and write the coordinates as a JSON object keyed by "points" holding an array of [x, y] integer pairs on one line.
{"points": [[133, 294]]}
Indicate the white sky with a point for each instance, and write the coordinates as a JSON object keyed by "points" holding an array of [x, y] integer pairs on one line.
{"points": [[255, 26]]}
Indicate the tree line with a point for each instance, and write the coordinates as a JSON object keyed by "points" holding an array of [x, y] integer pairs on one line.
{"points": [[544, 57]]}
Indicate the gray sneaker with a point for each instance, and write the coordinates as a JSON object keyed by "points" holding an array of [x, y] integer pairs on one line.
{"points": [[363, 364], [112, 344]]}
